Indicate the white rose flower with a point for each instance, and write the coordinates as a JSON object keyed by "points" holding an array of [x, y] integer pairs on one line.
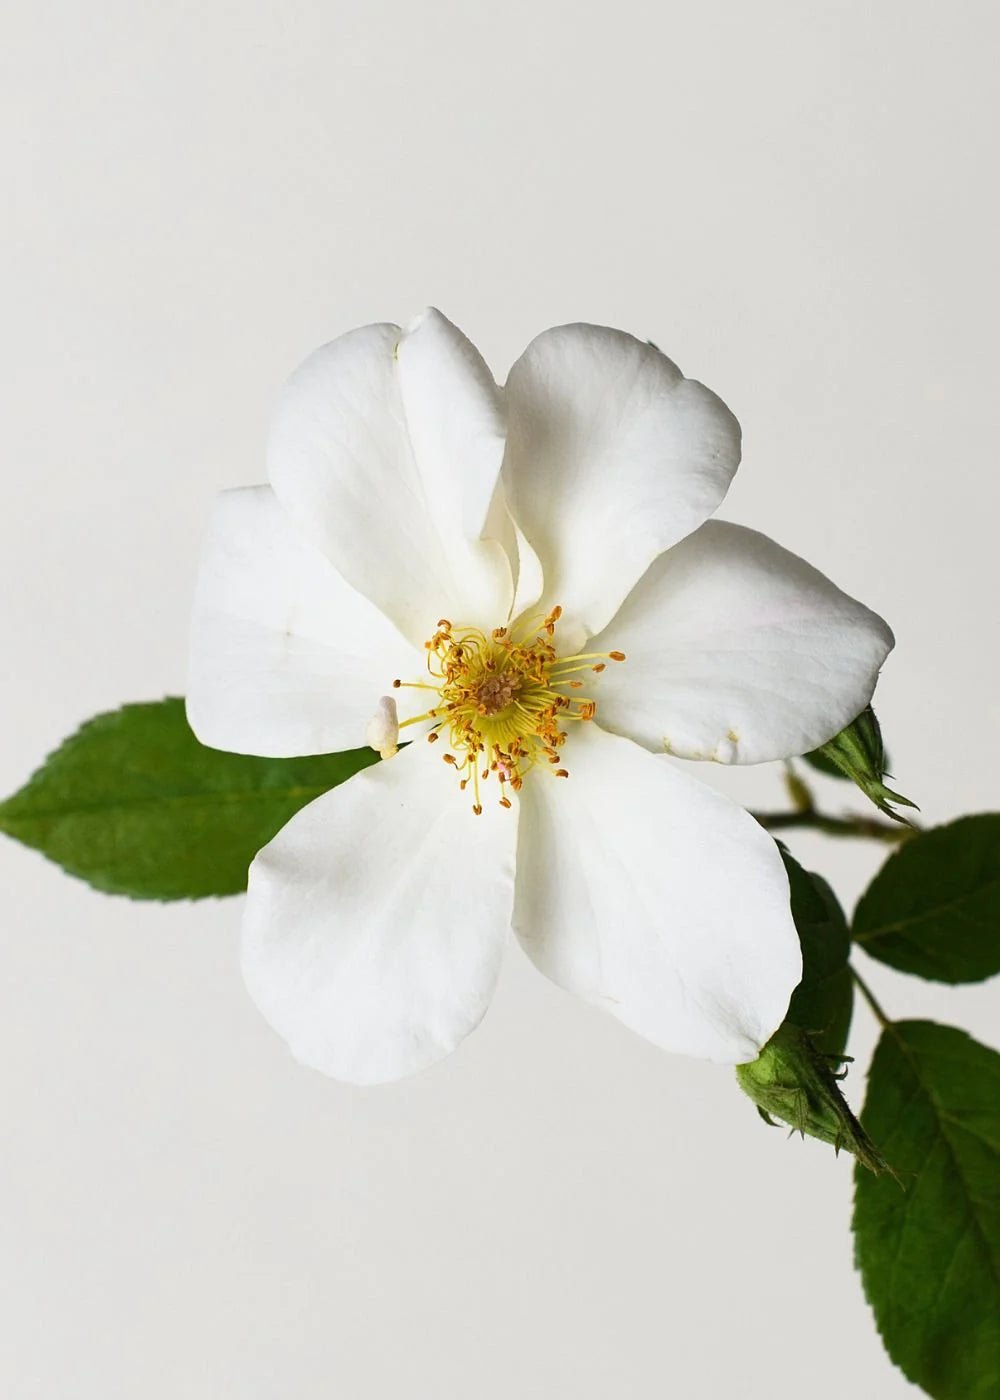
{"points": [[530, 575]]}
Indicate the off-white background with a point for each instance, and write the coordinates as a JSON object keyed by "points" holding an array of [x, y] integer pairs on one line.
{"points": [[798, 202]]}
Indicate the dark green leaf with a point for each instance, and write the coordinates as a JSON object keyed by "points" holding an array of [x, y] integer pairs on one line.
{"points": [[133, 804], [823, 1001], [934, 907], [928, 1246]]}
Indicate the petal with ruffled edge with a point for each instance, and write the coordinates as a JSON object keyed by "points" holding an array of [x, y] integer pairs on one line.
{"points": [[738, 651], [648, 894], [386, 449], [457, 426], [376, 920], [286, 658], [612, 457]]}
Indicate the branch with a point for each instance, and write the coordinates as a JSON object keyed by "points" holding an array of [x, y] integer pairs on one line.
{"points": [[869, 828], [869, 997]]}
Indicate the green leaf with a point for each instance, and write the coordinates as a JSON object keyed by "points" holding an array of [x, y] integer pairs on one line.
{"points": [[934, 907], [823, 1001], [928, 1247], [133, 804], [858, 753]]}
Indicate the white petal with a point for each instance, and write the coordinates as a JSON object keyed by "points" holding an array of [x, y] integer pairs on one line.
{"points": [[528, 574], [738, 651], [612, 456], [646, 893], [377, 918], [286, 658], [454, 414], [524, 563], [386, 449]]}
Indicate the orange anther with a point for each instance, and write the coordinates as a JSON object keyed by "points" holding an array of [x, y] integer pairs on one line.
{"points": [[617, 655]]}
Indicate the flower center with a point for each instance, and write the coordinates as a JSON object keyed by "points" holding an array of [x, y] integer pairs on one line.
{"points": [[504, 702]]}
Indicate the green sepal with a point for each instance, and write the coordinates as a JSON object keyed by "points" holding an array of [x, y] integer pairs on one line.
{"points": [[859, 754], [793, 1081]]}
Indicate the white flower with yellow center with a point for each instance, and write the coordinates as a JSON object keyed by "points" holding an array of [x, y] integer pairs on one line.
{"points": [[525, 583]]}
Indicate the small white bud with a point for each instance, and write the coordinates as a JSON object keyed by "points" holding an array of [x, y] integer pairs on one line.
{"points": [[383, 728]]}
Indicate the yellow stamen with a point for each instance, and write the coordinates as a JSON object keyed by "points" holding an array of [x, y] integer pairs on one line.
{"points": [[416, 719], [501, 704]]}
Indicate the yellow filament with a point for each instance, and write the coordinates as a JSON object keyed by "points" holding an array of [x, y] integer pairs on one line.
{"points": [[501, 700]]}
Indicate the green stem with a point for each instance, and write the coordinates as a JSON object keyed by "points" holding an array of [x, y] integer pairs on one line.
{"points": [[865, 827], [869, 997], [798, 789]]}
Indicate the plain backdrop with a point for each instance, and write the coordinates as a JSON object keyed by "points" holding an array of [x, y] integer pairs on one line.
{"points": [[798, 202]]}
